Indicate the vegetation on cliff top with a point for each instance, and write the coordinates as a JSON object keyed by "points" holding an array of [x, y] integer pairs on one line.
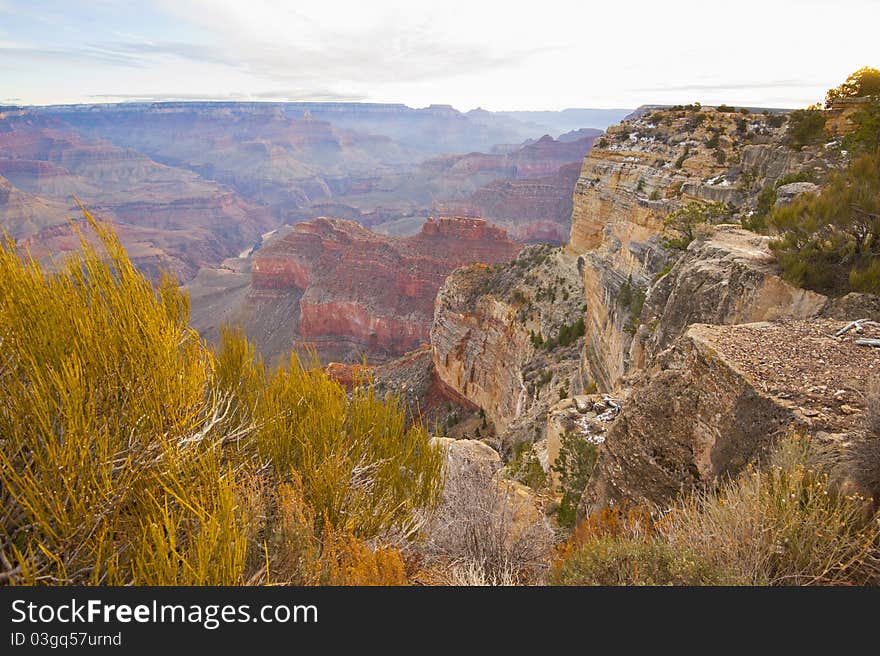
{"points": [[829, 242], [863, 82], [786, 524], [683, 223], [133, 454]]}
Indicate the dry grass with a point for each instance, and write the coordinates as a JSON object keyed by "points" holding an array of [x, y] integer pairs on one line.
{"points": [[785, 524], [483, 533], [872, 405]]}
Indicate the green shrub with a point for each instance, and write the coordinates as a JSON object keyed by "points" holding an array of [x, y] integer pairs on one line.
{"points": [[632, 299], [695, 121], [767, 199], [828, 242], [683, 222], [622, 561], [526, 468], [577, 457], [866, 136], [569, 334], [536, 338], [864, 82], [806, 128]]}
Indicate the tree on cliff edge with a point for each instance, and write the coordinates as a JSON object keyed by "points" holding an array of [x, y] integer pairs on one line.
{"points": [[864, 82]]}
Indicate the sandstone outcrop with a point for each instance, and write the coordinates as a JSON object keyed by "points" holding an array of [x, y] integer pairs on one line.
{"points": [[720, 396], [586, 416], [638, 173], [726, 277], [495, 333]]}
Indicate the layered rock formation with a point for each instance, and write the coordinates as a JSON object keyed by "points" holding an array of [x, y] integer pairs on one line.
{"points": [[334, 285], [530, 188], [303, 160], [640, 172], [166, 217], [495, 338], [532, 210], [258, 149], [719, 398], [670, 333], [726, 277]]}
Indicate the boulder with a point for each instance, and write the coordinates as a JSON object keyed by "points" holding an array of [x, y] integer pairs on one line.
{"points": [[462, 455], [720, 397], [787, 193]]}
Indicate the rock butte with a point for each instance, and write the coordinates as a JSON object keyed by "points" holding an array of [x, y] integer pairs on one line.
{"points": [[333, 285]]}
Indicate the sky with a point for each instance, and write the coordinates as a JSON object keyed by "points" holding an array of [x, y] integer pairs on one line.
{"points": [[543, 54]]}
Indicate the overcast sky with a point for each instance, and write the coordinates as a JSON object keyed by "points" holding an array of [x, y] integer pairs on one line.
{"points": [[543, 54]]}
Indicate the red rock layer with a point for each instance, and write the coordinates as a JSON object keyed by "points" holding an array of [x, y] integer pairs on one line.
{"points": [[531, 209], [370, 292]]}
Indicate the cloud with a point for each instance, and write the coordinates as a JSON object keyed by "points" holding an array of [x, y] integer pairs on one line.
{"points": [[363, 59], [233, 96], [68, 55], [733, 86]]}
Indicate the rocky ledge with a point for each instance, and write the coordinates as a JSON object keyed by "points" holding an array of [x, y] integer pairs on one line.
{"points": [[720, 396]]}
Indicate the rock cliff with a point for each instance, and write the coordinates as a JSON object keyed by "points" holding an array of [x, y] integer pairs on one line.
{"points": [[672, 334], [334, 285], [496, 338], [728, 276], [635, 176], [720, 396]]}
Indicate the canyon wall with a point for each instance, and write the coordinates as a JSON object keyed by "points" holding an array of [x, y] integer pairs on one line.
{"points": [[166, 217], [636, 175], [348, 292], [495, 337]]}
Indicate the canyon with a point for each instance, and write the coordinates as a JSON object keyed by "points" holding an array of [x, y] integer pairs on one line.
{"points": [[350, 235], [337, 287], [191, 184], [167, 218]]}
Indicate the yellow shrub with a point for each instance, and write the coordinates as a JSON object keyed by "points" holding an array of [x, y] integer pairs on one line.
{"points": [[362, 470], [346, 560], [131, 453]]}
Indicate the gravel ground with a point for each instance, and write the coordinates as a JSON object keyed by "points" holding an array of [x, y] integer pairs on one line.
{"points": [[804, 364]]}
